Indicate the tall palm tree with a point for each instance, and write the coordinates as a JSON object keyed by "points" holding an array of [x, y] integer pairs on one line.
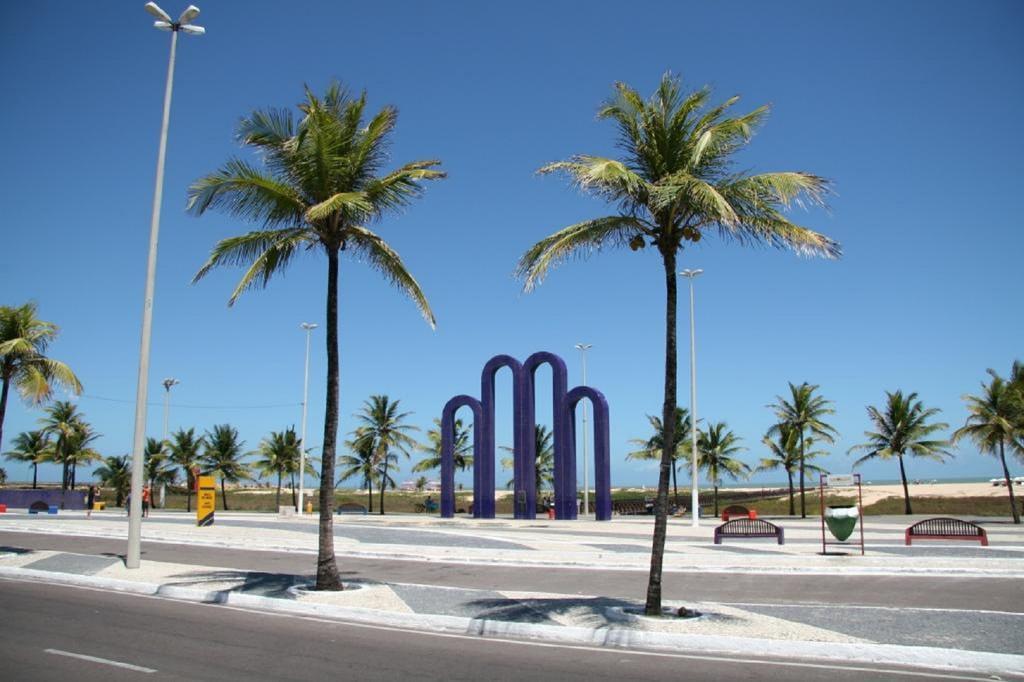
{"points": [[383, 425], [24, 339], [32, 447], [223, 456], [63, 422], [321, 184], [991, 424], [716, 446], [432, 448], [184, 449], [676, 182], [544, 464], [651, 448], [116, 473], [279, 454], [157, 464], [803, 412], [785, 455], [363, 462], [902, 428]]}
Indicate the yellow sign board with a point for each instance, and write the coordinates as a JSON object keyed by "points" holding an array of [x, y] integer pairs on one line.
{"points": [[206, 500]]}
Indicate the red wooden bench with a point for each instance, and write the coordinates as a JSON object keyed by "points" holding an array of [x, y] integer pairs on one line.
{"points": [[738, 511], [945, 528]]}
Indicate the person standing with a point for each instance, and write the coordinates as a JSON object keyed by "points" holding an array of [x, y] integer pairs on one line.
{"points": [[146, 495], [90, 500]]}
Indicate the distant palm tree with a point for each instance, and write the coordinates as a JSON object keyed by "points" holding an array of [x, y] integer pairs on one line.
{"points": [[992, 425], [116, 473], [184, 449], [463, 447], [383, 425], [223, 456], [24, 339], [677, 181], [804, 412], [544, 463], [322, 183], [158, 467], [279, 454], [716, 446], [651, 449], [3, 476], [363, 462], [32, 447], [421, 483], [902, 428], [785, 455], [80, 450]]}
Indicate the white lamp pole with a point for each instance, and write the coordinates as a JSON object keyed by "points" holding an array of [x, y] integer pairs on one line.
{"points": [[164, 23], [583, 348], [695, 497], [168, 383], [309, 327]]}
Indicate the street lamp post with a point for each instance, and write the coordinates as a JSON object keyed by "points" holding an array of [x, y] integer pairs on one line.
{"points": [[695, 497], [583, 348], [309, 327], [168, 383], [164, 23]]}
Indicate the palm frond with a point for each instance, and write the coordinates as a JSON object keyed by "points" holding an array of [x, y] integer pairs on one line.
{"points": [[386, 260], [244, 191]]}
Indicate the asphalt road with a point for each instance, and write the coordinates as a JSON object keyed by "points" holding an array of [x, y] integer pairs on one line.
{"points": [[926, 592], [50, 632]]}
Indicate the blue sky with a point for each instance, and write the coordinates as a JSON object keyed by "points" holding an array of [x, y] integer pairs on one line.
{"points": [[911, 108]]}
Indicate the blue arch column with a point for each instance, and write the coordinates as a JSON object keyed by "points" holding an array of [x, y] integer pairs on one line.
{"points": [[565, 461], [448, 456], [488, 449], [602, 453]]}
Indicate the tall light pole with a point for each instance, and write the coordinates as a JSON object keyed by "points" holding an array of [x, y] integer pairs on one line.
{"points": [[164, 23], [583, 348], [309, 327], [168, 383], [695, 496]]}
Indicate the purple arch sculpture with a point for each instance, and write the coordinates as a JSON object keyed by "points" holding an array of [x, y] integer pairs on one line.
{"points": [[448, 455], [488, 445], [563, 404], [565, 471], [602, 452]]}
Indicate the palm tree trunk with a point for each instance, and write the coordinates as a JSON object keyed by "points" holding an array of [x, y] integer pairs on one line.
{"points": [[277, 497], [74, 470], [1009, 483], [291, 483], [906, 491], [652, 606], [35, 474], [675, 484], [383, 484], [223, 493], [792, 501], [716, 501], [327, 577], [3, 406], [188, 498], [803, 501]]}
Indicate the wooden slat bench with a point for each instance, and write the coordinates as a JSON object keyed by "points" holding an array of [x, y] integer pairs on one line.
{"points": [[737, 511], [631, 507], [351, 508], [749, 528], [945, 528]]}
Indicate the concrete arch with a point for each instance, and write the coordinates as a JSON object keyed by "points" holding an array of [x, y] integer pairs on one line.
{"points": [[448, 457], [488, 448], [565, 462], [602, 453]]}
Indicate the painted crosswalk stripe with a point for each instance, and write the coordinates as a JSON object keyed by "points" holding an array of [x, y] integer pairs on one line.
{"points": [[104, 661]]}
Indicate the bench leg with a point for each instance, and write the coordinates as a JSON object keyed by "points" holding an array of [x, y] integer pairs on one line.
{"points": [[906, 538], [984, 540], [782, 536], [718, 539]]}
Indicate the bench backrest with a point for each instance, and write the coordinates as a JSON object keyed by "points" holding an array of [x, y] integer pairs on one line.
{"points": [[946, 526], [747, 527]]}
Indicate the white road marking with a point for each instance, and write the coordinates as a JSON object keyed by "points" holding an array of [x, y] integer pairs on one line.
{"points": [[104, 661]]}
